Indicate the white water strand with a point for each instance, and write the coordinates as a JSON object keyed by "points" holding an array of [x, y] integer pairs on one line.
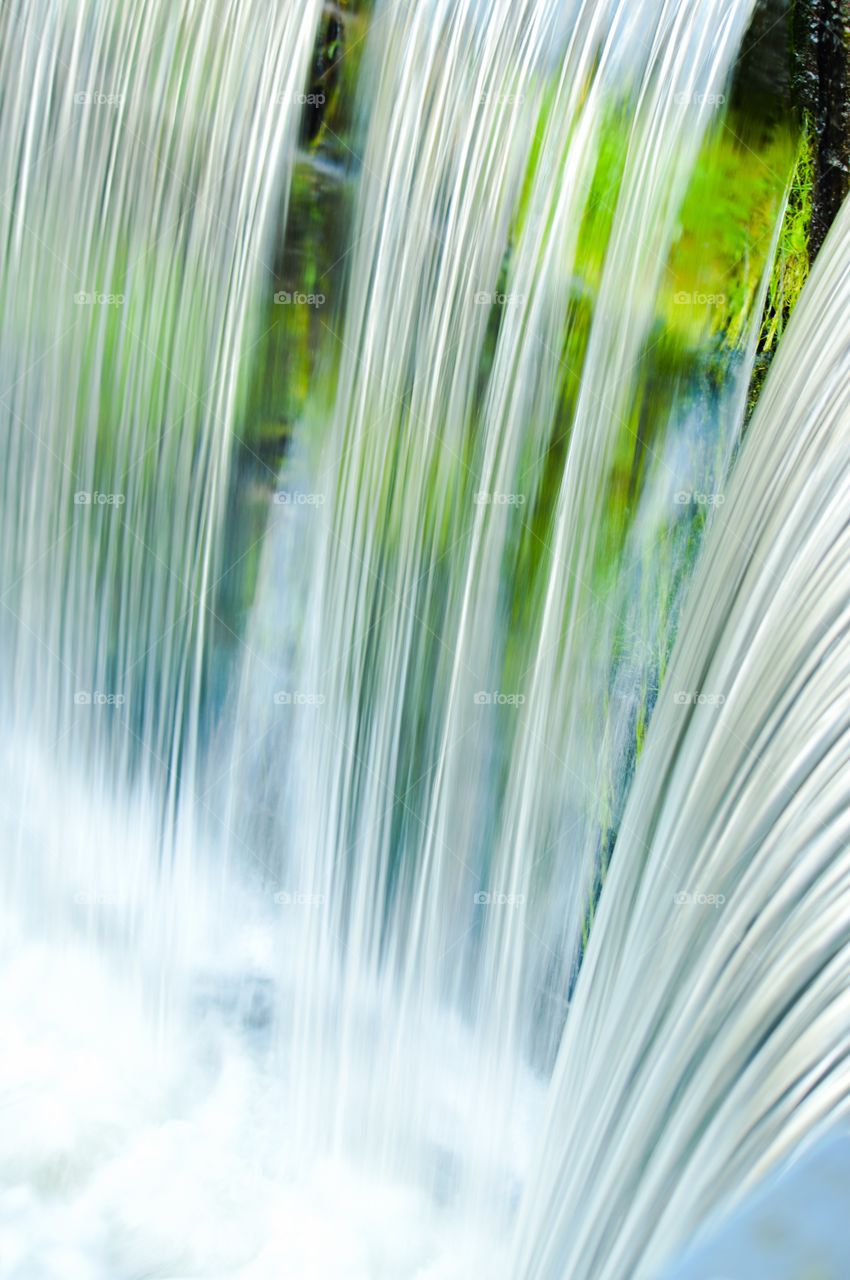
{"points": [[548, 778], [439, 182], [144, 149], [385, 825], [708, 1037]]}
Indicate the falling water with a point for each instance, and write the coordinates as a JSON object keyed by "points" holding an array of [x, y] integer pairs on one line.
{"points": [[374, 964], [420, 796], [142, 171], [709, 1032]]}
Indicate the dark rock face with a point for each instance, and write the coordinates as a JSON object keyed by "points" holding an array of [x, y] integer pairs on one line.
{"points": [[821, 87], [762, 80], [327, 55]]}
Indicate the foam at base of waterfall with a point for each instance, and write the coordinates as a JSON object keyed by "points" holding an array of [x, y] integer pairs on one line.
{"points": [[126, 1153]]}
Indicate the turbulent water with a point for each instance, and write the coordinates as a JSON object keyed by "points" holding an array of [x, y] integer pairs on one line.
{"points": [[313, 962]]}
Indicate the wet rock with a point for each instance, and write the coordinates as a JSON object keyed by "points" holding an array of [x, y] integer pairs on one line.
{"points": [[328, 54], [762, 79], [821, 87]]}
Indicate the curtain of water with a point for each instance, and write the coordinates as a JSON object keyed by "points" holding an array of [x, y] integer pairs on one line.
{"points": [[416, 733], [709, 1032], [144, 150], [435, 843]]}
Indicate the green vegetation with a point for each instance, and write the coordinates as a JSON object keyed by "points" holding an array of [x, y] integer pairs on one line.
{"points": [[706, 308], [727, 227], [791, 264]]}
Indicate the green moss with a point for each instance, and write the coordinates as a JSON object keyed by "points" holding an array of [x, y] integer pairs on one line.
{"points": [[727, 225], [791, 265]]}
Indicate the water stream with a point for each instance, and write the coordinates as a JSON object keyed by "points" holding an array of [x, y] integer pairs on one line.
{"points": [[422, 821]]}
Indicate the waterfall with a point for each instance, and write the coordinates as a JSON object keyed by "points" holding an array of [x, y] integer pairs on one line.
{"points": [[708, 1035], [144, 160], [435, 832], [468, 899]]}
